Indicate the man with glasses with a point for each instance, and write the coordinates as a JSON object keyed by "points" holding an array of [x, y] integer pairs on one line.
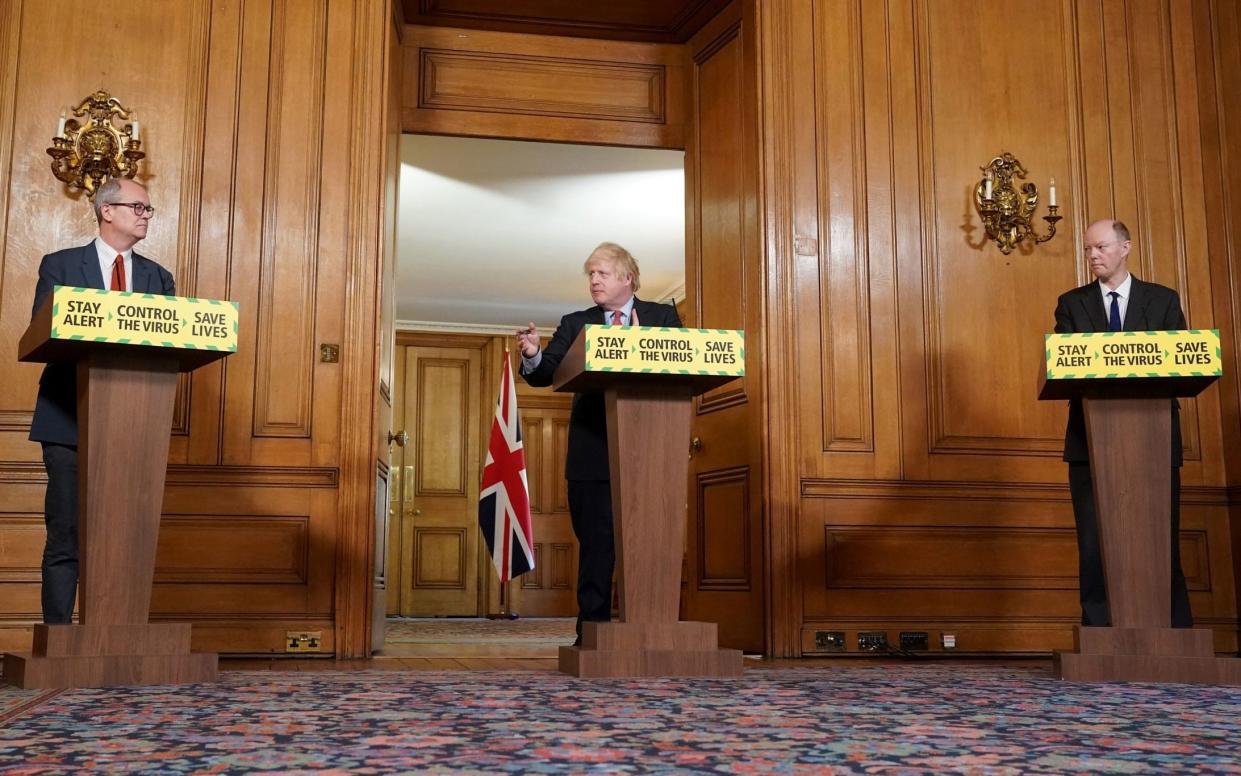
{"points": [[123, 210]]}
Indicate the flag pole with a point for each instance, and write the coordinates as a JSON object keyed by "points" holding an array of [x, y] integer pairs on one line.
{"points": [[506, 591]]}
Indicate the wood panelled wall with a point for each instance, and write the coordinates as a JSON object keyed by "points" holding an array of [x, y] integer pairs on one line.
{"points": [[264, 134], [916, 482], [539, 87], [1217, 37], [900, 468]]}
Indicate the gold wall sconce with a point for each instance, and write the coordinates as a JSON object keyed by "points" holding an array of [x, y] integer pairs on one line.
{"points": [[88, 152], [1005, 212]]}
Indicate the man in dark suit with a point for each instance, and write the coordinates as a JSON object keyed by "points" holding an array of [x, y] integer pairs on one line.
{"points": [[613, 274], [123, 210], [1116, 302]]}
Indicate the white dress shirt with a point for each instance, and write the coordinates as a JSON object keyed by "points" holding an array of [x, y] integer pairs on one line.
{"points": [[107, 255]]}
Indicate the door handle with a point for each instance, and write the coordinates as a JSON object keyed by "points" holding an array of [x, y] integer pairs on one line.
{"points": [[401, 438], [417, 512], [695, 445]]}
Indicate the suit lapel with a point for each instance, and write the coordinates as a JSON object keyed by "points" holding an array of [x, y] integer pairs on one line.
{"points": [[1092, 301], [1135, 314], [88, 260], [142, 276]]}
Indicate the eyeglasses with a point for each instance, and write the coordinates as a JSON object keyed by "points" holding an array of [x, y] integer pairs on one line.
{"points": [[140, 208]]}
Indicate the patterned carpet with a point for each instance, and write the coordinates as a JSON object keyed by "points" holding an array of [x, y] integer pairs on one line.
{"points": [[468, 630], [866, 719]]}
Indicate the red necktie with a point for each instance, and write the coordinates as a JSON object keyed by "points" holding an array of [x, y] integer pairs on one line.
{"points": [[118, 274], [616, 317]]}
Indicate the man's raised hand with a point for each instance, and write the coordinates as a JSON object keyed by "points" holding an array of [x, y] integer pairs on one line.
{"points": [[528, 340]]}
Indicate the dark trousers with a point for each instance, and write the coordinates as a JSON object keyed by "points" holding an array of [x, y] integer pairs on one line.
{"points": [[590, 508], [60, 515], [1090, 556]]}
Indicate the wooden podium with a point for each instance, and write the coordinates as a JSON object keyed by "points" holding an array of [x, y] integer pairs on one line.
{"points": [[648, 417], [1128, 428], [125, 406]]}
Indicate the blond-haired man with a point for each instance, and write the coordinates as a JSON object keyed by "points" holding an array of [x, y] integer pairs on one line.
{"points": [[614, 278]]}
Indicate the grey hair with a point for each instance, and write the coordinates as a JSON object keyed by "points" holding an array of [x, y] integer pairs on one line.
{"points": [[105, 195]]}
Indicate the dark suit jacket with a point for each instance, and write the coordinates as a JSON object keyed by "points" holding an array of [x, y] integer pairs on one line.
{"points": [[56, 409], [587, 457], [1152, 307]]}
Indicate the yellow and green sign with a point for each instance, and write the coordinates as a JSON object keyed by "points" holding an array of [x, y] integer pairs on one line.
{"points": [[1192, 353], [128, 318], [662, 350]]}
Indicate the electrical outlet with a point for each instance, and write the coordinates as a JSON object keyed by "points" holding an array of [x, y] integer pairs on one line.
{"points": [[948, 640], [915, 641], [872, 641], [829, 641], [303, 641]]}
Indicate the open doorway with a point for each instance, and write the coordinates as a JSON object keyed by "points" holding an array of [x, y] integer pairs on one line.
{"points": [[491, 235]]}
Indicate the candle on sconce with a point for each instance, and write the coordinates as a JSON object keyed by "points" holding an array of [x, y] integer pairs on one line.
{"points": [[60, 126], [1051, 193], [135, 129], [986, 185]]}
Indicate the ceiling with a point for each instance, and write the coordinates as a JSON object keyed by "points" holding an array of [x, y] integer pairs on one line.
{"points": [[495, 232], [659, 21]]}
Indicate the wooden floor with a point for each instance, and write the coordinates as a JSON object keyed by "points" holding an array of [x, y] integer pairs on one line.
{"points": [[549, 664]]}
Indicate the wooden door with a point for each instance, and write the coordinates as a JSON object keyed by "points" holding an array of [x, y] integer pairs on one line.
{"points": [[550, 590], [724, 550], [439, 537]]}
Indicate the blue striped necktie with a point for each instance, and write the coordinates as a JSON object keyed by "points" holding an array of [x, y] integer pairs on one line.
{"points": [[1113, 318]]}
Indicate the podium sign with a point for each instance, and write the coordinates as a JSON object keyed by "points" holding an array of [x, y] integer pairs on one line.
{"points": [[662, 350], [128, 349], [126, 318], [1138, 354], [1129, 364]]}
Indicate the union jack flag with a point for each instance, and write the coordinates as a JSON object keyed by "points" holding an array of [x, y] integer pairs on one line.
{"points": [[504, 501]]}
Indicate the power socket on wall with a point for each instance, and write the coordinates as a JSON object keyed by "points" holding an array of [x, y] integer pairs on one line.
{"points": [[830, 641], [872, 641]]}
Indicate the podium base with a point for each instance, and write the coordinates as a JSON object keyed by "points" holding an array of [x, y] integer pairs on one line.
{"points": [[27, 671], [1179, 655], [616, 649], [90, 655], [600, 664]]}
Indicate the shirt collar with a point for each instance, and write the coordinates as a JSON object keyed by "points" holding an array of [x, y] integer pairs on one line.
{"points": [[1122, 290], [626, 309], [108, 253]]}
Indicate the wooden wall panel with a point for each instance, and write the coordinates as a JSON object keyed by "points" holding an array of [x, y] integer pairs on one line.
{"points": [[929, 484], [663, 21], [1216, 39], [292, 180], [978, 317], [549, 86], [248, 110], [534, 87]]}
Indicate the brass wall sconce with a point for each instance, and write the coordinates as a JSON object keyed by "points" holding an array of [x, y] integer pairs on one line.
{"points": [[1005, 212], [88, 152]]}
